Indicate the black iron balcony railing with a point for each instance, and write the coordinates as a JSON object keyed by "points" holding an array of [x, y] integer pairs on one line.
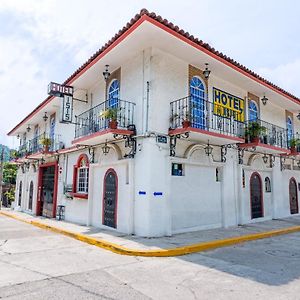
{"points": [[98, 118], [207, 116], [267, 133], [36, 144]]}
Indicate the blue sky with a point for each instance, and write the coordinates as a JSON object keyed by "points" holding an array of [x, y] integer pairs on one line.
{"points": [[46, 40]]}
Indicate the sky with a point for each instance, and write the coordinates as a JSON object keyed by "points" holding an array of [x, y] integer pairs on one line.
{"points": [[47, 40]]}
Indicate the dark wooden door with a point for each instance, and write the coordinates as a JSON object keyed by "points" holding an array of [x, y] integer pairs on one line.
{"points": [[30, 196], [110, 199], [256, 196], [293, 197]]}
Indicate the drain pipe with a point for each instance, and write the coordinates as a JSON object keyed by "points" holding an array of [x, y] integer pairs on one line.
{"points": [[147, 106]]}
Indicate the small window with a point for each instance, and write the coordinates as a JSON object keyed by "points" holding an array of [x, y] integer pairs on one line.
{"points": [[81, 177], [267, 185], [177, 169]]}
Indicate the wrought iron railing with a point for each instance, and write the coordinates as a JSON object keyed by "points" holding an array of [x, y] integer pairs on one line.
{"points": [[207, 116], [267, 133], [35, 145], [97, 118]]}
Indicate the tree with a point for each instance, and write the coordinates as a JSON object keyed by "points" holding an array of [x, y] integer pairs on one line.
{"points": [[10, 173]]}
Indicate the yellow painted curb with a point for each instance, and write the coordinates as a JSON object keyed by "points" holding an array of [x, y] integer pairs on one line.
{"points": [[157, 252]]}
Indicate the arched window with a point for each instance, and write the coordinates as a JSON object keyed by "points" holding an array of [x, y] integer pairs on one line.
{"points": [[81, 177], [30, 195], [20, 193], [252, 111], [290, 128], [114, 94], [198, 97], [267, 185]]}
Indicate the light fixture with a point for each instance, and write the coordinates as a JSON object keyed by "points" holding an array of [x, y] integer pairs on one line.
{"points": [[42, 160], [45, 117], [208, 149], [18, 136], [105, 149], [265, 158], [106, 73], [298, 163], [298, 116], [206, 72], [264, 100], [28, 128]]}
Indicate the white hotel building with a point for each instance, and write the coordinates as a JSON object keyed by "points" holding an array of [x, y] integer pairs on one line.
{"points": [[192, 149]]}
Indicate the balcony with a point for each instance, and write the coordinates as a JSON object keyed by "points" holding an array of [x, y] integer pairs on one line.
{"points": [[102, 122], [206, 121], [35, 147], [264, 135]]}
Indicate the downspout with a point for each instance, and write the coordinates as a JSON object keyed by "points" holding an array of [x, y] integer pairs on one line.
{"points": [[147, 105]]}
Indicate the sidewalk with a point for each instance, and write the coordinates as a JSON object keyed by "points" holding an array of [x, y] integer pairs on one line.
{"points": [[178, 244]]}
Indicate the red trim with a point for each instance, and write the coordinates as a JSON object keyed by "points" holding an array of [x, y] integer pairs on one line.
{"points": [[180, 35], [261, 194], [81, 196], [198, 130], [275, 148], [104, 189], [40, 182], [103, 132], [295, 181]]}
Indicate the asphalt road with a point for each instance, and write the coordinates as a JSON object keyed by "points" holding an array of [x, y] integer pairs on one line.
{"points": [[37, 264]]}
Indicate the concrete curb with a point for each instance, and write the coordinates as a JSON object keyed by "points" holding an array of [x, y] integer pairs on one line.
{"points": [[193, 248]]}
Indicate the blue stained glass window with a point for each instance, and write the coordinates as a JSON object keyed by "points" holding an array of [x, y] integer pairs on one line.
{"points": [[114, 94], [198, 96], [252, 111], [290, 129]]}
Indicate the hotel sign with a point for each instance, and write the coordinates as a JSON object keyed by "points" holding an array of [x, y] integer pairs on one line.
{"points": [[58, 90], [228, 106]]}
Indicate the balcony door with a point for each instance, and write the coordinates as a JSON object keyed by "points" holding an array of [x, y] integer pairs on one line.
{"points": [[256, 197], [293, 197], [197, 103], [114, 94]]}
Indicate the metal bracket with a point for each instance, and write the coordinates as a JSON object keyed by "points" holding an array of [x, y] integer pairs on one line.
{"points": [[224, 152], [173, 141], [241, 155], [130, 142], [272, 161]]}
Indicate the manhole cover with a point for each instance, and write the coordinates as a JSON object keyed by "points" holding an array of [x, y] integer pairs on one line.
{"points": [[283, 253]]}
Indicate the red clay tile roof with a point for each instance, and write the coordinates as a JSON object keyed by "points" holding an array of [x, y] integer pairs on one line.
{"points": [[175, 29]]}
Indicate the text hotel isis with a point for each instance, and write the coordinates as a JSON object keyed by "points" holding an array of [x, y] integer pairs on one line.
{"points": [[158, 133]]}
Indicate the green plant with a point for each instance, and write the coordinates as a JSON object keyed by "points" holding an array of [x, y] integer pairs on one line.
{"points": [[110, 113], [14, 154], [254, 130], [45, 142], [10, 195], [294, 142]]}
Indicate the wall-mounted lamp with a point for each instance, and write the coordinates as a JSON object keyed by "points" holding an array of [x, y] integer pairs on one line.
{"points": [[18, 136], [298, 163], [208, 149], [206, 72], [45, 117], [264, 100], [105, 149], [106, 73], [298, 116], [265, 158], [28, 128]]}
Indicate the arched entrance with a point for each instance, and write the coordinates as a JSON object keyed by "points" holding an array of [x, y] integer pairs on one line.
{"points": [[293, 196], [256, 197], [110, 197], [30, 195]]}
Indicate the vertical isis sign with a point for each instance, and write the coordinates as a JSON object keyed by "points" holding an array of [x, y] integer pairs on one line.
{"points": [[66, 103]]}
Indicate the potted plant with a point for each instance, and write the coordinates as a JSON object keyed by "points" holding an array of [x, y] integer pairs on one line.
{"points": [[253, 131], [46, 143], [294, 142], [112, 115], [14, 154], [186, 119]]}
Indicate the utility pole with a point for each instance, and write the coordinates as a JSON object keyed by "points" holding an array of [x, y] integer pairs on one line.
{"points": [[1, 174]]}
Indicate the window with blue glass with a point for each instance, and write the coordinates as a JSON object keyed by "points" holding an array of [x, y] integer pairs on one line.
{"points": [[114, 94], [290, 129], [198, 96], [252, 111]]}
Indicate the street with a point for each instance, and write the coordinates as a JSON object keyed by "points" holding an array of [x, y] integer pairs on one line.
{"points": [[38, 264]]}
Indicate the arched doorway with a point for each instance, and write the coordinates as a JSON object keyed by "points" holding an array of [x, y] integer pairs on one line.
{"points": [[293, 196], [110, 197], [30, 195], [256, 197], [20, 194]]}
